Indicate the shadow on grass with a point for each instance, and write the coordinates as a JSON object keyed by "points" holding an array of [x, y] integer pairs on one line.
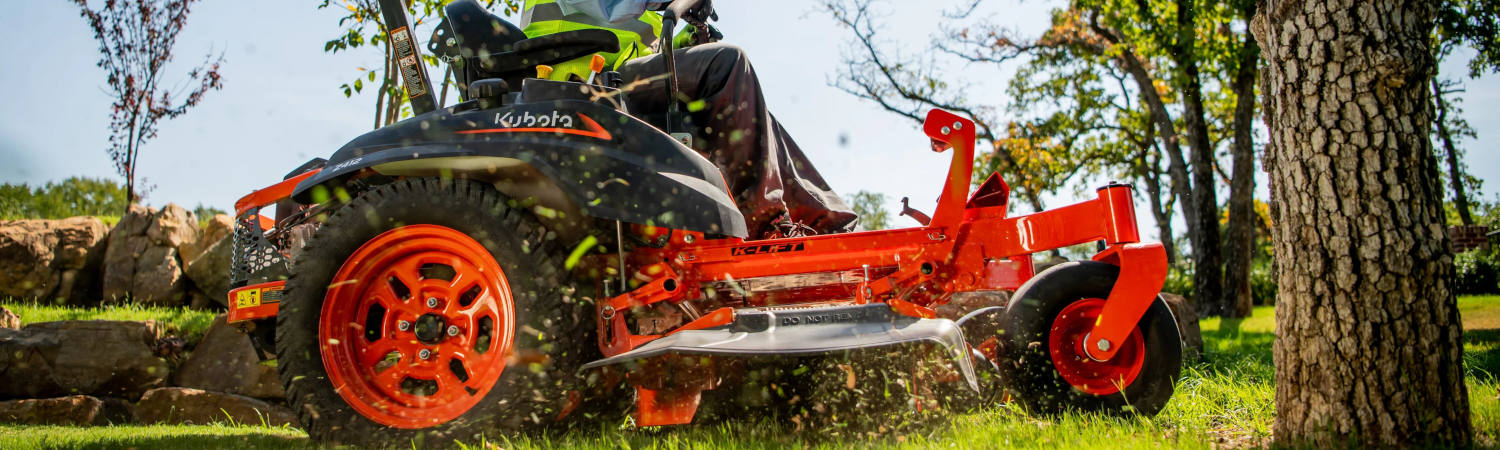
{"points": [[1482, 352]]}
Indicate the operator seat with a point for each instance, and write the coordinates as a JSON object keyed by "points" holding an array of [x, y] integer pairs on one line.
{"points": [[491, 47]]}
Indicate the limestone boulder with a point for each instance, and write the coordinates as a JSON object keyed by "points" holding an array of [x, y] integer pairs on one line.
{"points": [[1187, 324], [176, 405], [173, 226], [225, 361], [73, 410], [51, 260], [94, 357], [9, 319], [143, 262]]}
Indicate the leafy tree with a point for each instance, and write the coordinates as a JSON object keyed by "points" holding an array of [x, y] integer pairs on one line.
{"points": [[1182, 60], [136, 38], [364, 26], [1462, 23], [870, 207], [204, 213], [76, 196]]}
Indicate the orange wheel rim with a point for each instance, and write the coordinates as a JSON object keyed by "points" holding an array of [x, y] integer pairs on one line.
{"points": [[1065, 342], [416, 326]]}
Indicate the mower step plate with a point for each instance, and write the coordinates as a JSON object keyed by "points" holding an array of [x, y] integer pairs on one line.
{"points": [[809, 331]]}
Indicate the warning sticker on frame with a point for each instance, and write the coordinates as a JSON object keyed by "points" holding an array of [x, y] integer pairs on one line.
{"points": [[407, 59]]}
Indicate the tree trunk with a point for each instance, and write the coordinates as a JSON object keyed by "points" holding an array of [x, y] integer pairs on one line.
{"points": [[1240, 242], [1208, 262], [1455, 170], [1148, 166], [1368, 343]]}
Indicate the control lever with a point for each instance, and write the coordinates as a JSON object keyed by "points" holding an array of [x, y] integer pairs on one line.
{"points": [[906, 210]]}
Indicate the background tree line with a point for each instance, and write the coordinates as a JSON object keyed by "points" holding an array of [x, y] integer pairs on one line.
{"points": [[1159, 93]]}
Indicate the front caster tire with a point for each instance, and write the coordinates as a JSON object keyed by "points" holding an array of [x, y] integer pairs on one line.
{"points": [[1044, 365], [428, 309]]}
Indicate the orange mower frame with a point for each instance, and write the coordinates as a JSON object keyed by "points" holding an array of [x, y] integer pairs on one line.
{"points": [[969, 244]]}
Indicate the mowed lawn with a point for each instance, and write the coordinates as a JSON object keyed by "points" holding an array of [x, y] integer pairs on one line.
{"points": [[1224, 400]]}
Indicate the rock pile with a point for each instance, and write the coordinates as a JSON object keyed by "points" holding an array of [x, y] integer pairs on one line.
{"points": [[110, 372], [148, 258]]}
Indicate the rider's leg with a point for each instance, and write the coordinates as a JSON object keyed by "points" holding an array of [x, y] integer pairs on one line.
{"points": [[767, 172]]}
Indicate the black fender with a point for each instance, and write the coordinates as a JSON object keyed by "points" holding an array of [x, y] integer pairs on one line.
{"points": [[610, 165]]}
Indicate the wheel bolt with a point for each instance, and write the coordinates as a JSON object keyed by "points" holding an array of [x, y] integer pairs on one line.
{"points": [[403, 325], [453, 330], [431, 302], [424, 354]]}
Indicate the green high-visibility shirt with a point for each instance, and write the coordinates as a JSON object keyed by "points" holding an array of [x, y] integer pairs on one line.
{"points": [[637, 36]]}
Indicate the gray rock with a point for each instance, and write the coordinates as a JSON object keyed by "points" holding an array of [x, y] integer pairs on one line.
{"points": [[72, 410], [210, 272], [159, 279], [51, 260], [127, 241], [175, 405], [1187, 324], [225, 361], [217, 228], [93, 357]]}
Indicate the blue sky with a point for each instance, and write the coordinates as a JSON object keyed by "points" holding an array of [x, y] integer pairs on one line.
{"points": [[281, 104]]}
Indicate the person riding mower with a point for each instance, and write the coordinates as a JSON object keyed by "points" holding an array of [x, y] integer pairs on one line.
{"points": [[557, 243], [774, 183]]}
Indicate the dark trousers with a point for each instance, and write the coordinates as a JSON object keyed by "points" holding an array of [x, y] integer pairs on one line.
{"points": [[725, 111]]}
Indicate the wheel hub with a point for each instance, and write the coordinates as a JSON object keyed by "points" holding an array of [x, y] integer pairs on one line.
{"points": [[416, 326], [1070, 329], [430, 328]]}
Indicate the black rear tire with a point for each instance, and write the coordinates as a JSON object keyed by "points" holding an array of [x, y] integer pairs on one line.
{"points": [[551, 326], [1028, 368]]}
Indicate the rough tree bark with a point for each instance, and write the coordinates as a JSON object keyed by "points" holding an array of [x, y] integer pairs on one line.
{"points": [[1455, 170], [1239, 244], [1368, 347]]}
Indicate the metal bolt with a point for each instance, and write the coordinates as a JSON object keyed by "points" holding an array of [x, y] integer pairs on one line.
{"points": [[431, 302], [958, 125], [424, 354], [1103, 345], [453, 330], [403, 325], [946, 131], [688, 238]]}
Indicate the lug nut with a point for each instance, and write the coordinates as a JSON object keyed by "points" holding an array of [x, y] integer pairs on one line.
{"points": [[424, 354], [453, 330], [403, 325], [431, 302]]}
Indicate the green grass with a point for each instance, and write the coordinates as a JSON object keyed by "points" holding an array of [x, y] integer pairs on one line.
{"points": [[1225, 400], [151, 436], [187, 323]]}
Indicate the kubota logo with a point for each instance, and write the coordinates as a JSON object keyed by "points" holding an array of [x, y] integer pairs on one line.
{"points": [[768, 248], [528, 120]]}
